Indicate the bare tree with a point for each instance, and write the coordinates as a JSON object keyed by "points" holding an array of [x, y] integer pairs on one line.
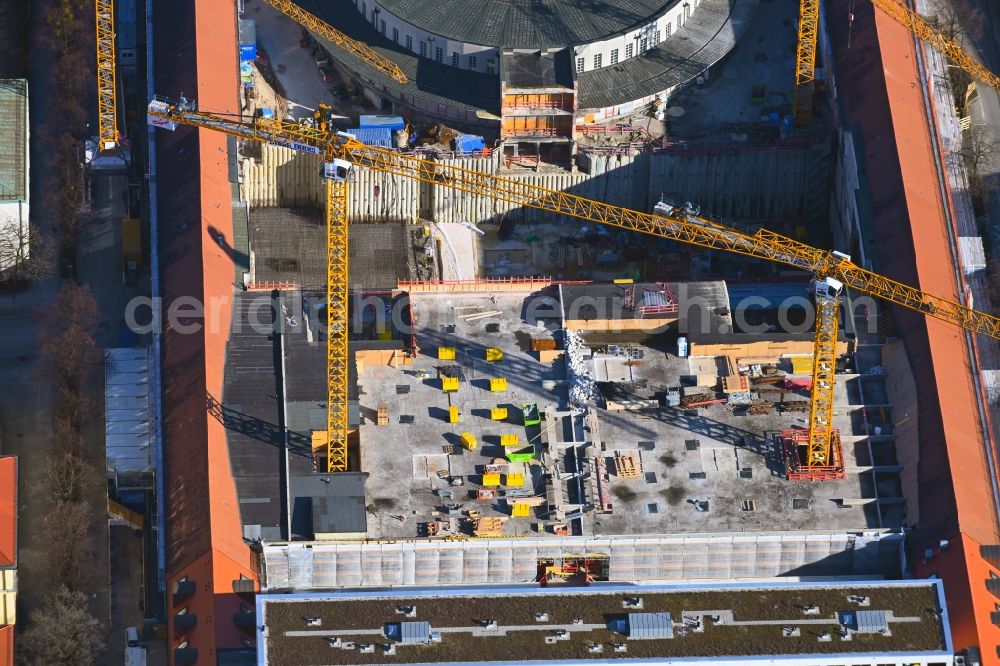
{"points": [[67, 344], [957, 19], [70, 549], [68, 474], [980, 146], [62, 633], [26, 254]]}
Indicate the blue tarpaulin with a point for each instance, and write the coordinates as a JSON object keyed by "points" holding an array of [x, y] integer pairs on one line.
{"points": [[469, 143]]}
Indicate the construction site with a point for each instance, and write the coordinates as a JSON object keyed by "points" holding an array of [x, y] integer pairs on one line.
{"points": [[583, 332]]}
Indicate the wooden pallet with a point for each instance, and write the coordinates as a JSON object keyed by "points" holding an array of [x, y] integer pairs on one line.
{"points": [[383, 414], [626, 468]]}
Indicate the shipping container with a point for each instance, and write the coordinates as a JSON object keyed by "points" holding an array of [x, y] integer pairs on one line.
{"points": [[380, 137], [391, 123]]}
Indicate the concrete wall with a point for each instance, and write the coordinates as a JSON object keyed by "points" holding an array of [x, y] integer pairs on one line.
{"points": [[738, 184], [748, 183]]}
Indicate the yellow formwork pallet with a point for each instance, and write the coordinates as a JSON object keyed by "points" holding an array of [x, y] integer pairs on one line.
{"points": [[515, 480], [493, 354], [491, 480], [453, 414], [520, 510], [446, 353], [508, 440], [449, 383], [498, 384], [498, 413], [468, 440]]}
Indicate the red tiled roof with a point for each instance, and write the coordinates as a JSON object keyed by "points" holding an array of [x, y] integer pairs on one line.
{"points": [[7, 645], [878, 76], [196, 54], [8, 511]]}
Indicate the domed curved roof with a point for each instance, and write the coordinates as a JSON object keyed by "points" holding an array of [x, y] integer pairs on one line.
{"points": [[527, 24]]}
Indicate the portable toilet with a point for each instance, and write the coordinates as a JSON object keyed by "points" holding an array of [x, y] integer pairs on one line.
{"points": [[446, 353], [453, 414], [498, 384], [468, 440], [508, 440], [498, 413], [493, 354], [449, 384]]}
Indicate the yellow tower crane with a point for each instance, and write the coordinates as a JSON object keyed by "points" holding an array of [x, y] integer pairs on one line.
{"points": [[107, 98], [353, 46], [832, 271], [923, 29], [805, 61]]}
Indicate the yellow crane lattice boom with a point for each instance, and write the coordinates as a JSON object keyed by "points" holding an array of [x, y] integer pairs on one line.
{"points": [[805, 61], [677, 224], [107, 105], [337, 286], [923, 29], [353, 46]]}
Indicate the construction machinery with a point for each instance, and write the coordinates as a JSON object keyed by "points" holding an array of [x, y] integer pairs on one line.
{"points": [[805, 60], [107, 99], [354, 47], [342, 152]]}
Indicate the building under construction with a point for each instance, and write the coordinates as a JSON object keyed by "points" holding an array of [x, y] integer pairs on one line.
{"points": [[619, 417]]}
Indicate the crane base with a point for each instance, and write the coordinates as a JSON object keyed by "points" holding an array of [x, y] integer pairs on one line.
{"points": [[794, 444]]}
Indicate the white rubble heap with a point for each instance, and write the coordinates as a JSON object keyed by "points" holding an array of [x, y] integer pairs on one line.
{"points": [[581, 380]]}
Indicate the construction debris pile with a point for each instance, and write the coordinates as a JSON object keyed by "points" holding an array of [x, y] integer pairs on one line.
{"points": [[582, 388]]}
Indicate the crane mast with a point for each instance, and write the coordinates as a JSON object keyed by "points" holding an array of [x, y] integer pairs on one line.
{"points": [[833, 271], [107, 98], [805, 61]]}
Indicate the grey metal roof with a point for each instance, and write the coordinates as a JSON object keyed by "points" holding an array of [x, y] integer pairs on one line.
{"points": [[537, 69], [870, 621], [414, 632], [706, 37], [530, 24], [328, 503], [650, 625], [127, 406]]}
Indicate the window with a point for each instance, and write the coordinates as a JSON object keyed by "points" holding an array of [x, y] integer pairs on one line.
{"points": [[656, 38], [409, 42], [670, 28], [473, 62], [423, 49], [438, 53], [643, 44], [629, 51], [454, 59], [579, 65], [381, 27], [614, 56], [597, 60], [395, 35], [687, 11], [490, 66]]}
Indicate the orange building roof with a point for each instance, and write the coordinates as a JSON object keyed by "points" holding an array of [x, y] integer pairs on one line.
{"points": [[878, 75], [8, 511], [7, 645], [204, 536]]}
